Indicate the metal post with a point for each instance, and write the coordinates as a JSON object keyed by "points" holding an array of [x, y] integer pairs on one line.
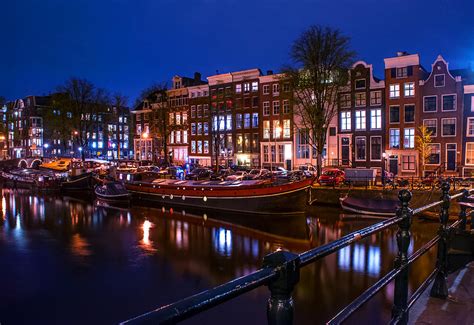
{"points": [[400, 303], [280, 304], [440, 286], [463, 212]]}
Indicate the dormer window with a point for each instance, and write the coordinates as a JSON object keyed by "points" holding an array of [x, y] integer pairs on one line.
{"points": [[360, 84], [402, 72], [177, 84], [439, 80]]}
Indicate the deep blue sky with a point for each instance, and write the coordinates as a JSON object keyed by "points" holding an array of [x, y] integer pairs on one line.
{"points": [[126, 45]]}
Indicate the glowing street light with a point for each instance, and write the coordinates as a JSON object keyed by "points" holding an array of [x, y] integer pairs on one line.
{"points": [[80, 148], [46, 145]]}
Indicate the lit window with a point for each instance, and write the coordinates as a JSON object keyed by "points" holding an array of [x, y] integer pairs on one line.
{"points": [[246, 87], [286, 129], [470, 153], [276, 129], [409, 138], [376, 119], [360, 120], [254, 86], [394, 138], [345, 121], [266, 129], [409, 89], [360, 99], [395, 91], [255, 120]]}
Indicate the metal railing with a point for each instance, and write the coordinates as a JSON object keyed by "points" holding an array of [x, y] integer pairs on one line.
{"points": [[281, 270]]}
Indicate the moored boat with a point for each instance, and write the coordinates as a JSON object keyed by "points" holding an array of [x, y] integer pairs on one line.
{"points": [[112, 192], [374, 207], [248, 196], [30, 179]]}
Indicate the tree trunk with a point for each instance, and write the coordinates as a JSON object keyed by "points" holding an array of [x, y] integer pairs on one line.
{"points": [[319, 163]]}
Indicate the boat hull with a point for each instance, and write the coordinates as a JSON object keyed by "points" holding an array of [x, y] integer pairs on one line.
{"points": [[371, 208], [285, 199], [79, 183]]}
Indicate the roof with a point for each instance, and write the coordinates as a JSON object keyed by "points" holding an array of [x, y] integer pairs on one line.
{"points": [[467, 75]]}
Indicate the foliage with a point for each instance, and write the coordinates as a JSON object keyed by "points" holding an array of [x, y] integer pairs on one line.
{"points": [[322, 58], [423, 144]]}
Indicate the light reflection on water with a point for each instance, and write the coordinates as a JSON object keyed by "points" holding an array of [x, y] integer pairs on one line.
{"points": [[170, 256]]}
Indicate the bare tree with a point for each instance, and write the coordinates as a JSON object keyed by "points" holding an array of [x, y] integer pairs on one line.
{"points": [[423, 145], [322, 58], [81, 105]]}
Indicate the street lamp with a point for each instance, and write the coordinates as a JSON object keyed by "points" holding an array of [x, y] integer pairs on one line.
{"points": [[384, 156], [46, 146]]}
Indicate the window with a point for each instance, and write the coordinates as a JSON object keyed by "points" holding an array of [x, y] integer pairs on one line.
{"points": [[402, 72], [376, 119], [394, 138], [193, 146], [360, 99], [286, 87], [206, 128], [276, 129], [185, 117], [266, 89], [238, 88], [172, 137], [199, 111], [193, 128], [360, 148], [246, 87], [394, 114], [255, 142], [222, 123], [376, 97], [276, 107], [273, 149], [193, 111], [470, 127], [448, 127], [408, 162], [435, 154], [178, 118], [409, 113], [345, 121], [254, 86], [360, 120], [171, 118], [266, 108], [199, 128], [238, 121], [439, 80], [276, 89], [375, 148], [409, 89], [254, 101], [332, 131], [395, 91], [409, 138], [431, 126], [206, 146], [281, 153], [302, 144], [286, 129], [239, 144], [360, 84], [246, 120], [470, 153], [266, 129], [229, 122], [429, 103], [255, 120], [206, 110], [178, 136], [345, 100], [199, 146], [449, 102], [265, 153], [286, 106], [185, 136]]}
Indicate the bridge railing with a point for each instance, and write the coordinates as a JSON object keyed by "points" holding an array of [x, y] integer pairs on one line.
{"points": [[281, 270]]}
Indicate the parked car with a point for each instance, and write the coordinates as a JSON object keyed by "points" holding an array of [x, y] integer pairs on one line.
{"points": [[237, 176], [308, 170], [198, 174], [332, 176], [257, 174], [221, 175]]}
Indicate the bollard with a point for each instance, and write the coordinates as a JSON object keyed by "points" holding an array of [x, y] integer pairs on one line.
{"points": [[280, 305], [400, 302], [440, 286], [463, 212]]}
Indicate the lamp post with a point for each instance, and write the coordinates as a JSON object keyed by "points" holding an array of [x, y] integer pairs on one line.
{"points": [[46, 146], [384, 155]]}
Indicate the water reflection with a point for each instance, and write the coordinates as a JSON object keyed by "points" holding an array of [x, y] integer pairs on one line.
{"points": [[57, 235]]}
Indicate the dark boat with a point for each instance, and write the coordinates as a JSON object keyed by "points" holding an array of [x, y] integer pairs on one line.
{"points": [[248, 196], [30, 179], [374, 207], [114, 192], [81, 182]]}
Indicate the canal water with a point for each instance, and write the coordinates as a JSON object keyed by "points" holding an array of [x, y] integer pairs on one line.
{"points": [[66, 260]]}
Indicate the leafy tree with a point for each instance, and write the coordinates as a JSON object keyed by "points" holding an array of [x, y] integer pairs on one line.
{"points": [[81, 105], [423, 145], [322, 58]]}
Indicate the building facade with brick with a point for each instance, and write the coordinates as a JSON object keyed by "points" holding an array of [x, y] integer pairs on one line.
{"points": [[199, 121]]}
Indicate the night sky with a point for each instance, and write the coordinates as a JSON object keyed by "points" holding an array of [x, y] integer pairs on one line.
{"points": [[125, 46]]}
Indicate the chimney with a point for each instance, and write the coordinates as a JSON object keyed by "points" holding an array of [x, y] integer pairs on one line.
{"points": [[402, 53], [269, 72], [197, 76]]}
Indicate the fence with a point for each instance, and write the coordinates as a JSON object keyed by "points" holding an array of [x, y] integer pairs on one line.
{"points": [[280, 271]]}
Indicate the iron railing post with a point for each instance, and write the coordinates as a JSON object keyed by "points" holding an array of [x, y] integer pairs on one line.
{"points": [[400, 303], [440, 285], [280, 305], [463, 212]]}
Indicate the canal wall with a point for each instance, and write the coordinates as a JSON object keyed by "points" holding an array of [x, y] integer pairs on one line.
{"points": [[330, 196]]}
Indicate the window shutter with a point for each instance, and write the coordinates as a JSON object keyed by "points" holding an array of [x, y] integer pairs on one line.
{"points": [[410, 71], [393, 72]]}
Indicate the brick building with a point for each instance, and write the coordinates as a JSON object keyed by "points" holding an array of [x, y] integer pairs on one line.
{"points": [[199, 121]]}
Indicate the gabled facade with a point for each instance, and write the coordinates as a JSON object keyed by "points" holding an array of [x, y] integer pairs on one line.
{"points": [[403, 74], [441, 112], [361, 113]]}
